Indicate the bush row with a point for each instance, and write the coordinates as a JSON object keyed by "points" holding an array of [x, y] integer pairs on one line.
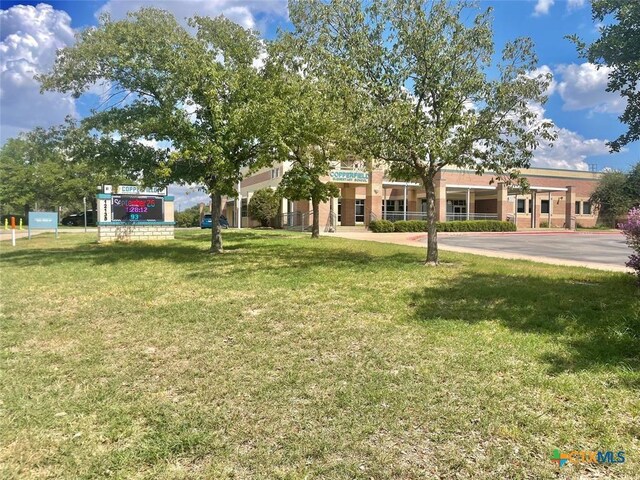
{"points": [[385, 226]]}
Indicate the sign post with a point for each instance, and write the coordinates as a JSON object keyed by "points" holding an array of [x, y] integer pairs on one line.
{"points": [[84, 201], [13, 231]]}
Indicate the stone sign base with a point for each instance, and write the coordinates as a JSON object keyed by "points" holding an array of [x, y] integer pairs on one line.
{"points": [[133, 232]]}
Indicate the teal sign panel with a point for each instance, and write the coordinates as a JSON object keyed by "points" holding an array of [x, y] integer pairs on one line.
{"points": [[43, 221]]}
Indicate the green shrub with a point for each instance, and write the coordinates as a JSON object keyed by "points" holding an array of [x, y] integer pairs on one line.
{"points": [[457, 226], [544, 224], [264, 205], [410, 226], [476, 226], [381, 226]]}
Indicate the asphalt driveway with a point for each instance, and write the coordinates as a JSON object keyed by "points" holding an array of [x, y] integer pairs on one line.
{"points": [[579, 247], [603, 251]]}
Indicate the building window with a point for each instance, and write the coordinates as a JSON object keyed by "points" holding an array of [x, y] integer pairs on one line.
{"points": [[531, 205], [400, 205], [339, 210], [390, 205], [544, 206], [521, 205], [243, 208], [275, 172], [586, 208], [577, 208]]}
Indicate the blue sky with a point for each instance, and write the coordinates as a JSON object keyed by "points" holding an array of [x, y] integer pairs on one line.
{"points": [[584, 113]]}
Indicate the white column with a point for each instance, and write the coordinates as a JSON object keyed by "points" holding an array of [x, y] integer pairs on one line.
{"points": [[534, 199], [405, 201], [239, 207], [468, 201], [550, 207]]}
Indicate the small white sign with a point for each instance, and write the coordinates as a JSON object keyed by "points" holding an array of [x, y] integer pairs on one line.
{"points": [[107, 189], [137, 190]]}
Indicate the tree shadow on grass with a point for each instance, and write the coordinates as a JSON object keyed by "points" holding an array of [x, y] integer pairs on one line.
{"points": [[244, 253], [598, 321]]}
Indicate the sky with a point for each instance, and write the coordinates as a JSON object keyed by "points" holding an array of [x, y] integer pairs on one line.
{"points": [[585, 115]]}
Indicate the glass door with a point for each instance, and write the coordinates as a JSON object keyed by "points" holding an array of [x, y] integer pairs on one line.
{"points": [[360, 211]]}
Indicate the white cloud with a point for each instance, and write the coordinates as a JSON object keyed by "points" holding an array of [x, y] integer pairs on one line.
{"points": [[243, 12], [570, 149], [584, 87], [575, 4], [30, 38], [188, 195], [545, 70], [542, 7]]}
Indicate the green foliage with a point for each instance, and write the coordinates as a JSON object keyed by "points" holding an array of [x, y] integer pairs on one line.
{"points": [[632, 185], [196, 92], [188, 218], [56, 167], [457, 226], [307, 125], [381, 226], [419, 93], [264, 206], [617, 48], [544, 224], [615, 194], [302, 182]]}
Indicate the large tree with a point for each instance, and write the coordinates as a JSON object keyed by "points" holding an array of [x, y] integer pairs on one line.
{"points": [[306, 124], [619, 48], [195, 93], [429, 93]]}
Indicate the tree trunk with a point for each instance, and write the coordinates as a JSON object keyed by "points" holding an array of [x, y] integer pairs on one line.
{"points": [[315, 231], [216, 230], [432, 234]]}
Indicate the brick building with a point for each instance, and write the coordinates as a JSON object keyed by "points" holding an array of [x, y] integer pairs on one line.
{"points": [[556, 198]]}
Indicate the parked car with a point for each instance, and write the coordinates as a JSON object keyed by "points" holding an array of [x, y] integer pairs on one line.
{"points": [[77, 220], [207, 222]]}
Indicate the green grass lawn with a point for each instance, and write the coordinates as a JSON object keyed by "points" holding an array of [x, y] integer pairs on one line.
{"points": [[292, 358]]}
